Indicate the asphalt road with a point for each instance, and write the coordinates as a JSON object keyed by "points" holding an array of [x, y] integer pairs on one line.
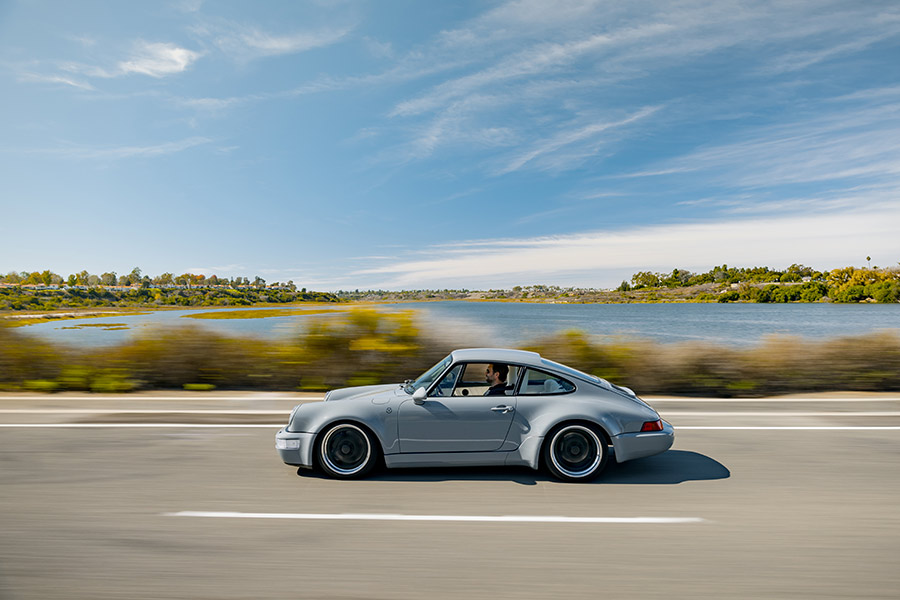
{"points": [[90, 512]]}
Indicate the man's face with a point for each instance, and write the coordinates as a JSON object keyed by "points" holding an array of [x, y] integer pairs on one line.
{"points": [[490, 376]]}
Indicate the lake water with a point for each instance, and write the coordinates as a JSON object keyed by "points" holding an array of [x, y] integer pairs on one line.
{"points": [[511, 323]]}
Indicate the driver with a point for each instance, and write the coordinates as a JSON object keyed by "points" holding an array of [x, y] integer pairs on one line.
{"points": [[496, 375]]}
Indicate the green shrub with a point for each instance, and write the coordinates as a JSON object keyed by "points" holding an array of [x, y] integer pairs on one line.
{"points": [[111, 381], [199, 387], [41, 385]]}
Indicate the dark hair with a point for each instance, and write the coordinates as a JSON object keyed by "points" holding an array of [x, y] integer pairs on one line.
{"points": [[501, 370]]}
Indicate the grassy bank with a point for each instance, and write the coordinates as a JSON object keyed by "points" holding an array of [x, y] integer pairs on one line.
{"points": [[363, 346]]}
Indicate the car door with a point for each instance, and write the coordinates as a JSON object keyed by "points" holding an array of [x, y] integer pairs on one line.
{"points": [[456, 416]]}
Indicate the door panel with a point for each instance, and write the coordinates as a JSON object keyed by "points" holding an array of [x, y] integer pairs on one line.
{"points": [[455, 424]]}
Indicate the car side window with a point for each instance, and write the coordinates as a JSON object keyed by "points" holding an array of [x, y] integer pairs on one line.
{"points": [[541, 383], [472, 381], [445, 386]]}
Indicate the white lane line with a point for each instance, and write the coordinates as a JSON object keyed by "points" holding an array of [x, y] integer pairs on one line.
{"points": [[668, 414], [148, 425], [101, 411], [781, 413], [280, 425], [298, 399], [455, 518], [188, 411], [776, 399], [789, 428]]}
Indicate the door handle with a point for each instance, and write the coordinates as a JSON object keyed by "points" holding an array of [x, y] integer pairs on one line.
{"points": [[503, 409]]}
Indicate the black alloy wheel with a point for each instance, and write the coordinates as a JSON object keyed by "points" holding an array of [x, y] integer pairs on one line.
{"points": [[346, 451], [575, 452]]}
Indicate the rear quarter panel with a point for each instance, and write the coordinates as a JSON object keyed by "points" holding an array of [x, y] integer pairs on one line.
{"points": [[537, 415]]}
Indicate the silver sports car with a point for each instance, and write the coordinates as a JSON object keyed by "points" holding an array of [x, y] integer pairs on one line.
{"points": [[481, 406]]}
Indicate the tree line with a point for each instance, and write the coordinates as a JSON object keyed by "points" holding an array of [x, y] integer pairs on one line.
{"points": [[46, 290], [136, 278], [797, 283]]}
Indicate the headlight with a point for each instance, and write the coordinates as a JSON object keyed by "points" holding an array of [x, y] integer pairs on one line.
{"points": [[282, 444]]}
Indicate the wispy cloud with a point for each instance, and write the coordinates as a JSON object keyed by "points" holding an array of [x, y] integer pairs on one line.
{"points": [[824, 239], [570, 137], [245, 42], [155, 59], [75, 151], [796, 61], [593, 47], [851, 142], [268, 44], [57, 79], [158, 60]]}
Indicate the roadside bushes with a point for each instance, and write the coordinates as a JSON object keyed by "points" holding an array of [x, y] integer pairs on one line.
{"points": [[357, 347], [778, 365], [365, 346]]}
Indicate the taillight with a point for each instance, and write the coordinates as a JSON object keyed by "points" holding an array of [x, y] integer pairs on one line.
{"points": [[652, 426]]}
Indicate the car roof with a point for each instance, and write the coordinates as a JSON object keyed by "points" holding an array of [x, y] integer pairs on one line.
{"points": [[497, 355]]}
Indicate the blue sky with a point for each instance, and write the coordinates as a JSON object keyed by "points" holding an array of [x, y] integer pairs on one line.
{"points": [[399, 144]]}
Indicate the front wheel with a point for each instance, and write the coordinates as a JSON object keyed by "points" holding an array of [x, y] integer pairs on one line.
{"points": [[346, 451], [575, 452]]}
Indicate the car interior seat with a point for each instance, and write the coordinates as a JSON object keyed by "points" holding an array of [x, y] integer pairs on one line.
{"points": [[551, 386]]}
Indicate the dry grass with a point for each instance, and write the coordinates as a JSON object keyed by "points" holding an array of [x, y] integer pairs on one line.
{"points": [[261, 313], [363, 346], [778, 365]]}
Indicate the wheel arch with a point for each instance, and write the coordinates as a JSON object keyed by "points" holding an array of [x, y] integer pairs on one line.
{"points": [[326, 426], [559, 471], [548, 434]]}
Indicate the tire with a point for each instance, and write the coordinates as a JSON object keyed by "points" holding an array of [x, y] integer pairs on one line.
{"points": [[346, 451], [575, 452]]}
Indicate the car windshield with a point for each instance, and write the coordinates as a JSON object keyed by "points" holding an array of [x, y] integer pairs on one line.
{"points": [[428, 377]]}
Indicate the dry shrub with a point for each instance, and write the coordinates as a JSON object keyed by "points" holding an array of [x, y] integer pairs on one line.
{"points": [[365, 346], [362, 347], [24, 358], [172, 357], [780, 364]]}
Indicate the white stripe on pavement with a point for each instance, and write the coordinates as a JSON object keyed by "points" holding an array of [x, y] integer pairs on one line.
{"points": [[778, 413], [201, 397], [148, 425], [140, 398], [187, 411], [134, 411], [774, 399], [455, 518], [279, 425], [790, 428]]}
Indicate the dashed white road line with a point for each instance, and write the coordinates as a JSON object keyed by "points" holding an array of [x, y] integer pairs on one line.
{"points": [[94, 398], [188, 411], [148, 425], [789, 427], [779, 413], [137, 411], [771, 399], [279, 425], [302, 399], [452, 518]]}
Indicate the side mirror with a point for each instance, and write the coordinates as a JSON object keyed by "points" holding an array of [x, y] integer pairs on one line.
{"points": [[419, 396]]}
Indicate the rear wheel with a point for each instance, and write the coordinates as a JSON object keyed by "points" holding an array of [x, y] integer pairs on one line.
{"points": [[346, 451], [575, 452]]}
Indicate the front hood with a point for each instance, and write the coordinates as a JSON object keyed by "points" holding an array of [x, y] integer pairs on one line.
{"points": [[359, 391]]}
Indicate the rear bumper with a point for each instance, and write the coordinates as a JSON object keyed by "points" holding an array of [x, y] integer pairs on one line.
{"points": [[629, 446], [295, 448]]}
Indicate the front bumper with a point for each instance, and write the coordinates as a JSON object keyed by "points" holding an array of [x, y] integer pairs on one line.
{"points": [[295, 448], [629, 446]]}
